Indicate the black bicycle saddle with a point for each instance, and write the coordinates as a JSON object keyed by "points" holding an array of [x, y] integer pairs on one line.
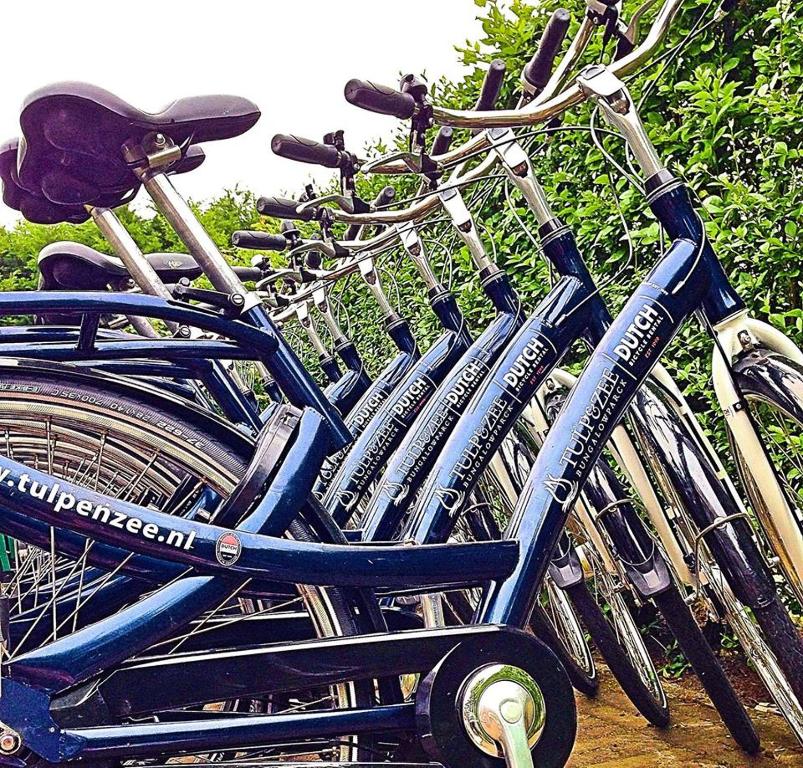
{"points": [[73, 266], [73, 135], [40, 210]]}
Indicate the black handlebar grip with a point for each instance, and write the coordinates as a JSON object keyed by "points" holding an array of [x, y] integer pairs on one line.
{"points": [[385, 197], [248, 274], [282, 208], [379, 98], [539, 69], [491, 86], [305, 150], [258, 241], [442, 141]]}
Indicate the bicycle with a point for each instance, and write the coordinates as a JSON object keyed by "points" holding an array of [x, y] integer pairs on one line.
{"points": [[432, 692], [317, 429], [689, 249]]}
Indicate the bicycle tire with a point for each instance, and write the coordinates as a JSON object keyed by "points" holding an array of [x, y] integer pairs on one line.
{"points": [[772, 386], [698, 652], [582, 680], [767, 616], [654, 708], [81, 406], [752, 634]]}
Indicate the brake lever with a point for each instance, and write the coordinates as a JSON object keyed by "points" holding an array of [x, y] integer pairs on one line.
{"points": [[608, 14], [344, 202], [282, 315], [267, 297], [411, 159], [289, 275]]}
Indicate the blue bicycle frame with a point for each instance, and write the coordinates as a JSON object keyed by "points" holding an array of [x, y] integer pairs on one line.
{"points": [[181, 553], [395, 415], [419, 448], [361, 414], [572, 311], [687, 277]]}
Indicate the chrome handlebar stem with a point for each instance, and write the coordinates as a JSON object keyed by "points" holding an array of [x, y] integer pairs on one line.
{"points": [[603, 86]]}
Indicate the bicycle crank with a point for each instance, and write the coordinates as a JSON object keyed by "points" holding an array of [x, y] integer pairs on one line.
{"points": [[502, 700], [504, 713]]}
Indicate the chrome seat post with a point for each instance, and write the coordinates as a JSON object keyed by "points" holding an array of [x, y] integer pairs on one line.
{"points": [[149, 162]]}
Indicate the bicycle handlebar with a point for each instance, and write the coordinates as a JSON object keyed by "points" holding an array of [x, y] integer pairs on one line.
{"points": [[442, 140], [305, 150], [541, 109], [250, 274], [385, 197], [535, 113], [258, 241], [539, 69], [489, 93], [388, 101], [546, 106], [379, 98], [283, 208]]}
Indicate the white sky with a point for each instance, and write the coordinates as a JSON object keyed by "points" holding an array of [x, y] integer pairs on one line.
{"points": [[291, 57]]}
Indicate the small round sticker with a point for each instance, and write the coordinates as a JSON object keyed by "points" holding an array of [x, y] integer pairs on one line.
{"points": [[228, 548]]}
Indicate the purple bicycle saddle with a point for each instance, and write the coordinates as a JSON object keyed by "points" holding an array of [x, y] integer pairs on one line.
{"points": [[40, 210], [74, 266], [66, 265], [73, 134], [33, 207]]}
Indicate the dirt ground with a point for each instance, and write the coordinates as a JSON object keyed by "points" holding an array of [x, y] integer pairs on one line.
{"points": [[612, 735]]}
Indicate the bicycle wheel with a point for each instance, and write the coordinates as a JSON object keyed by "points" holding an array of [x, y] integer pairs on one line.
{"points": [[617, 637], [699, 654], [727, 555], [135, 443], [625, 534], [619, 641], [630, 539], [751, 633], [555, 622]]}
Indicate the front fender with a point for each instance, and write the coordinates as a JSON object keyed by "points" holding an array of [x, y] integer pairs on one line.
{"points": [[773, 377]]}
